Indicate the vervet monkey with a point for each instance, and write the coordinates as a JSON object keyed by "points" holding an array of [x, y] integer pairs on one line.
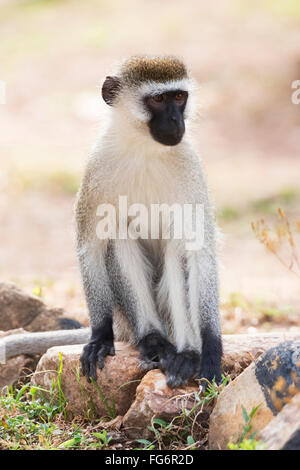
{"points": [[152, 292]]}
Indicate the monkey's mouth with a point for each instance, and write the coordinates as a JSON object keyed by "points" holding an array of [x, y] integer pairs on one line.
{"points": [[168, 137], [170, 140]]}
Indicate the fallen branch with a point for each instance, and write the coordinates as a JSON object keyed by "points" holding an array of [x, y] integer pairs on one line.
{"points": [[239, 350], [38, 343]]}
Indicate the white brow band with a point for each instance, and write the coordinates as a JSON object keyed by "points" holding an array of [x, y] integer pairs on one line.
{"points": [[156, 88]]}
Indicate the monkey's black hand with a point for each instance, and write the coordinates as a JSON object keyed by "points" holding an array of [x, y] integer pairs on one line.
{"points": [[93, 355], [208, 374], [155, 350], [211, 360], [181, 367]]}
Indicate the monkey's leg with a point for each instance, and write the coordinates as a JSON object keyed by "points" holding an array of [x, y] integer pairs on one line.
{"points": [[131, 274], [204, 310], [100, 304], [185, 364]]}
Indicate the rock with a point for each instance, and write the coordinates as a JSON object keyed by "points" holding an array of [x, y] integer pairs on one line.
{"points": [[20, 310], [283, 432], [116, 383], [155, 398], [271, 382], [114, 423], [123, 368], [13, 369], [226, 420], [241, 350], [17, 331], [48, 319], [294, 441]]}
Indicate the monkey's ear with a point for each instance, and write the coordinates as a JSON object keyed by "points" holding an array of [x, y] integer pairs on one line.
{"points": [[110, 89]]}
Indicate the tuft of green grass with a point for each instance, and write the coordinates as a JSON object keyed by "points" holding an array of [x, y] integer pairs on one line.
{"points": [[34, 418], [250, 442], [56, 385], [108, 403], [247, 444], [103, 439], [25, 420]]}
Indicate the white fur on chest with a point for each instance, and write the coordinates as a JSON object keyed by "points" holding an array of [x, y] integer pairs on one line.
{"points": [[146, 182], [132, 164]]}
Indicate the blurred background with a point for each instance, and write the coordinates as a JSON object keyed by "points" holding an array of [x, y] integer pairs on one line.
{"points": [[245, 56]]}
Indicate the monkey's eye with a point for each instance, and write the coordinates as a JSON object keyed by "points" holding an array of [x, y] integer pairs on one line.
{"points": [[158, 98], [181, 97]]}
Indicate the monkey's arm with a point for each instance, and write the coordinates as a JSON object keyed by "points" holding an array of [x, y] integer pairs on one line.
{"points": [[204, 305], [100, 305], [91, 256], [210, 326]]}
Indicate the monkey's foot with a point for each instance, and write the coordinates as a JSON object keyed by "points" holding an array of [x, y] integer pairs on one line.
{"points": [[92, 356], [155, 349], [181, 367]]}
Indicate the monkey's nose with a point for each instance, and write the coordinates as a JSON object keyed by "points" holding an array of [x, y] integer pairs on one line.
{"points": [[174, 118]]}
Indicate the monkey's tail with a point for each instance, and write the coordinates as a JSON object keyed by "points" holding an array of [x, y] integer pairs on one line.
{"points": [[69, 324]]}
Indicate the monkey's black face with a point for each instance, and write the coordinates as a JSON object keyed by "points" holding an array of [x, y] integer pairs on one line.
{"points": [[167, 121]]}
